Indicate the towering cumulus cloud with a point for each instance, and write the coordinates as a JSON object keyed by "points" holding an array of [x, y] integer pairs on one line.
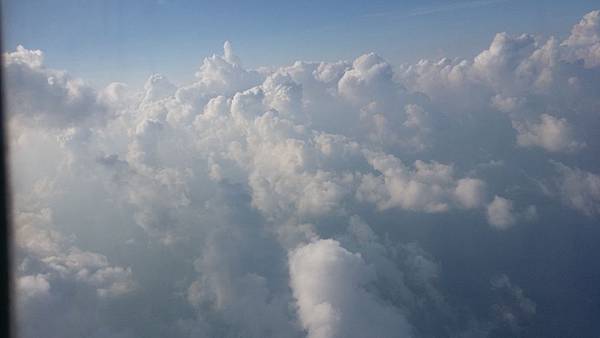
{"points": [[320, 199], [328, 283]]}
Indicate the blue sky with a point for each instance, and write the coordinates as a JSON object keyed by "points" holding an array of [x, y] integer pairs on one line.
{"points": [[127, 40]]}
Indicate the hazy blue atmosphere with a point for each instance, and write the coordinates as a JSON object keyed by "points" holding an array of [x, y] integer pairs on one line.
{"points": [[319, 169], [97, 40]]}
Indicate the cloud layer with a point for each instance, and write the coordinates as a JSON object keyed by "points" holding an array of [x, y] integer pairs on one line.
{"points": [[312, 200]]}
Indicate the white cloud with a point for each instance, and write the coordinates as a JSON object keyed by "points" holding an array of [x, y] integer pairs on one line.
{"points": [[506, 104], [470, 192], [329, 284], [157, 87], [31, 58], [32, 286], [551, 133], [224, 74], [214, 182], [503, 58], [369, 79], [60, 282], [584, 41], [50, 253], [429, 187], [579, 189], [49, 97], [500, 213]]}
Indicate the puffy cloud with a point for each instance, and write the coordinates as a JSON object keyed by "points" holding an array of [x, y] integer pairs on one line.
{"points": [[157, 87], [49, 97], [584, 41], [60, 282], [309, 199], [409, 129], [117, 95], [47, 251], [429, 187], [516, 74], [407, 278], [506, 104], [224, 74], [500, 213], [329, 284], [283, 94], [33, 286], [369, 79], [579, 189], [470, 192], [551, 133], [248, 104], [503, 60], [235, 273], [23, 56]]}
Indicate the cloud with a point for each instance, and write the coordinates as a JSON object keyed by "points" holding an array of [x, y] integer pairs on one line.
{"points": [[513, 309], [45, 96], [454, 7], [584, 41], [319, 198], [500, 213], [470, 192], [429, 187], [50, 251], [579, 189], [33, 286], [551, 133], [370, 78], [329, 286], [60, 281], [224, 74], [157, 87], [441, 8]]}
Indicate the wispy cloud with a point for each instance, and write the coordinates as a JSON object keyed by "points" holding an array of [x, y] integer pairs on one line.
{"points": [[422, 11], [453, 7]]}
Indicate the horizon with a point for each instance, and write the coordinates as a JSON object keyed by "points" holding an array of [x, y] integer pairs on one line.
{"points": [[172, 37]]}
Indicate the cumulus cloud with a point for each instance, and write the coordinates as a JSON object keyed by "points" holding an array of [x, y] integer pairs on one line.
{"points": [[579, 189], [551, 133], [430, 187], [369, 79], [33, 286], [293, 201], [500, 213], [224, 74], [584, 41], [158, 87], [470, 192], [48, 248], [60, 281], [329, 285], [46, 96]]}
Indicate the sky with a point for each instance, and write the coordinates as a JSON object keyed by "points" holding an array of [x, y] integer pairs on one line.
{"points": [[172, 36], [313, 170]]}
